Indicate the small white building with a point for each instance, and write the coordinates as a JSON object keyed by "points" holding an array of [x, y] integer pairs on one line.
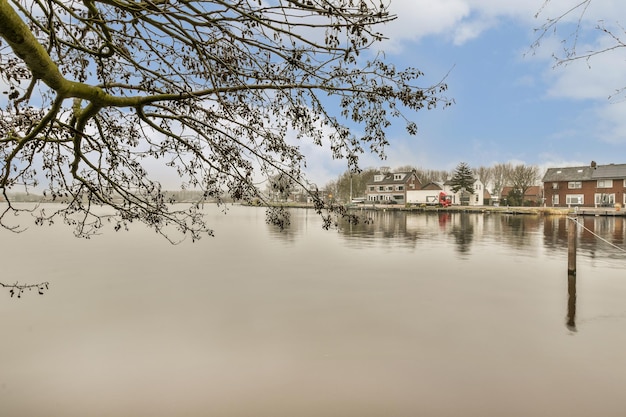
{"points": [[474, 199]]}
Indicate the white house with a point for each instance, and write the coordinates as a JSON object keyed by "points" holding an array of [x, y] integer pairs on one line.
{"points": [[474, 199]]}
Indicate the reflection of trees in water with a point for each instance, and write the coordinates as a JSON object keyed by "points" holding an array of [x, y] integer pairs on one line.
{"points": [[385, 225], [402, 228], [555, 232], [463, 232], [518, 230], [296, 220]]}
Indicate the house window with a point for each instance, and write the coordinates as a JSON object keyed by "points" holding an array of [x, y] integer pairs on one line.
{"points": [[372, 188], [381, 188], [604, 200], [400, 187], [574, 199], [378, 178], [397, 177], [605, 183], [390, 188], [555, 200], [574, 184], [555, 185], [412, 185]]}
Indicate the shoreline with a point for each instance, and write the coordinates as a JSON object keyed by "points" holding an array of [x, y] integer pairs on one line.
{"points": [[542, 211]]}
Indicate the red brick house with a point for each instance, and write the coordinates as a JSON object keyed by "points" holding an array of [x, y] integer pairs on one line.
{"points": [[586, 186], [391, 186]]}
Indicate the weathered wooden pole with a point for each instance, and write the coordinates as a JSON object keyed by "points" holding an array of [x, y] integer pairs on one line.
{"points": [[571, 302], [571, 246]]}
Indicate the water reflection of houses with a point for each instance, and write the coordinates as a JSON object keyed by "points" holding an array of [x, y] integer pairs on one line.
{"points": [[516, 230], [392, 226], [467, 229], [590, 237], [406, 228]]}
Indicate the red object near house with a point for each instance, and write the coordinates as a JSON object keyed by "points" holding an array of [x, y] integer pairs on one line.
{"points": [[445, 200]]}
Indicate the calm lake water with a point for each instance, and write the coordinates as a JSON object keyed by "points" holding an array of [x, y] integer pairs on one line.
{"points": [[401, 315]]}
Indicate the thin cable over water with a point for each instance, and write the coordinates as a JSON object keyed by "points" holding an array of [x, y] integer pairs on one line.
{"points": [[575, 220]]}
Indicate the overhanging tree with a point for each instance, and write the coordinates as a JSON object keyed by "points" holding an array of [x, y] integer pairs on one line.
{"points": [[280, 187], [571, 24], [98, 91]]}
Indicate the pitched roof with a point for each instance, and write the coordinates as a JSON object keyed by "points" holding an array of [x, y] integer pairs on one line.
{"points": [[568, 174], [611, 171], [389, 178], [585, 173], [433, 186]]}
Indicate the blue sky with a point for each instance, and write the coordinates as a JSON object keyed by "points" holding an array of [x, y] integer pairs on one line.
{"points": [[512, 104]]}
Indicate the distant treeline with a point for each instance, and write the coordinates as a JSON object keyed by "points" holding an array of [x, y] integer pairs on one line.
{"points": [[495, 178], [182, 196]]}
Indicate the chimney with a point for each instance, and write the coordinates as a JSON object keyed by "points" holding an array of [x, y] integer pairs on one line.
{"points": [[593, 164]]}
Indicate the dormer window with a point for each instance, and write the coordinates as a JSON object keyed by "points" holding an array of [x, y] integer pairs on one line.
{"points": [[397, 177]]}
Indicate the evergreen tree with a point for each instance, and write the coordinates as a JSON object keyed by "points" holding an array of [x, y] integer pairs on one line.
{"points": [[463, 178]]}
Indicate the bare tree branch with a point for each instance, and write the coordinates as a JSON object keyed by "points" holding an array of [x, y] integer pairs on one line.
{"points": [[219, 92]]}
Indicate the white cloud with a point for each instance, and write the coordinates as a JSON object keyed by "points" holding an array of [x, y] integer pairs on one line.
{"points": [[470, 30], [611, 123], [596, 79], [458, 21], [417, 18]]}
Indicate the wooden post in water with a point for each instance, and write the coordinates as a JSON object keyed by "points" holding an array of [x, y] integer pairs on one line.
{"points": [[571, 246], [571, 302]]}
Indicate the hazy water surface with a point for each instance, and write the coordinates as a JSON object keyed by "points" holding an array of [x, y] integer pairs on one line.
{"points": [[400, 315]]}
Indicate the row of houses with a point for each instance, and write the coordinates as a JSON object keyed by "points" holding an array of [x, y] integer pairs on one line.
{"points": [[397, 188], [585, 186]]}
